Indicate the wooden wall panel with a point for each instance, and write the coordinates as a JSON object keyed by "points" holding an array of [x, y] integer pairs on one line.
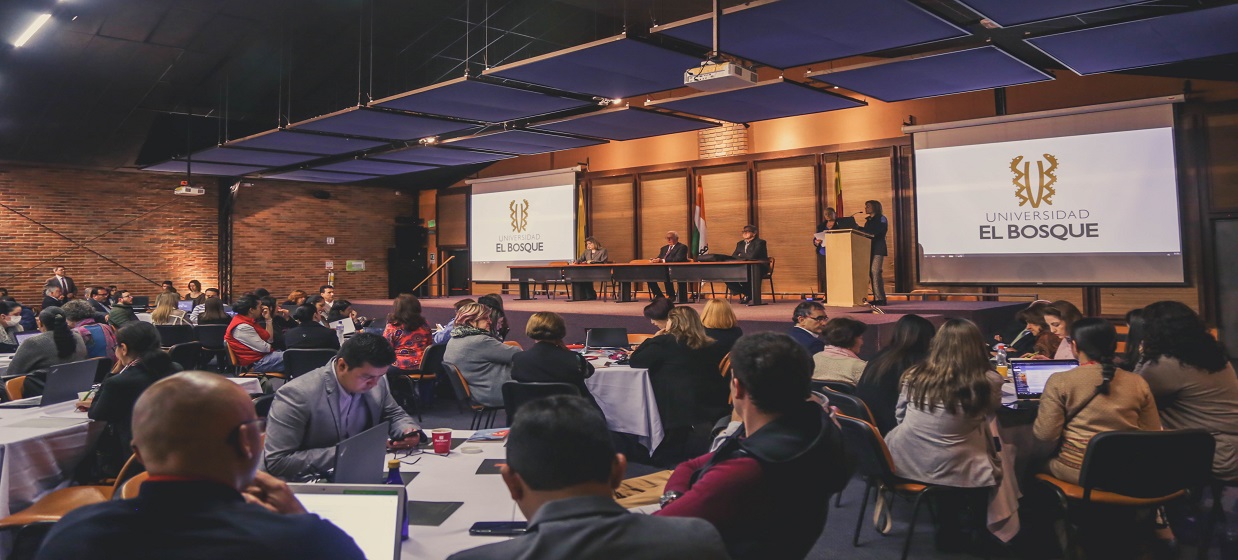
{"points": [[613, 217], [1073, 295], [1117, 301], [866, 176], [726, 205], [663, 207], [452, 210], [786, 214]]}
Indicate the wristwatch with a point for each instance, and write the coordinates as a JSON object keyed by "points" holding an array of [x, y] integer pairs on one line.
{"points": [[669, 497]]}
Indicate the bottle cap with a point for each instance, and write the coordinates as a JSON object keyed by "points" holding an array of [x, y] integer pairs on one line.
{"points": [[393, 463]]}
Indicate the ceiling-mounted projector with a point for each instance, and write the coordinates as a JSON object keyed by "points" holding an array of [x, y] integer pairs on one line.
{"points": [[718, 76], [186, 190]]}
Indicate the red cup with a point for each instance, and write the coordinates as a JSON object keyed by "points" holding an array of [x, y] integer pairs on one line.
{"points": [[442, 440]]}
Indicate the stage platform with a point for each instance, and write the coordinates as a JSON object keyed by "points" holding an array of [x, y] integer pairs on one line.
{"points": [[991, 316]]}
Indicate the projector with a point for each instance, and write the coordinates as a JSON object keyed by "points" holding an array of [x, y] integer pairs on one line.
{"points": [[186, 190], [718, 76]]}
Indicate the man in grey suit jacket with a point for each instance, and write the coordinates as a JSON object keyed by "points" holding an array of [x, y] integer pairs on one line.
{"points": [[562, 471], [316, 411]]}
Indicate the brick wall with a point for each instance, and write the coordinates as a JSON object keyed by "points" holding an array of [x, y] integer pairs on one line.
{"points": [[730, 139], [105, 227], [280, 231]]}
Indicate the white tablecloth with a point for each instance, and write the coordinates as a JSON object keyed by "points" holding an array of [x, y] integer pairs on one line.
{"points": [[39, 448], [627, 400]]}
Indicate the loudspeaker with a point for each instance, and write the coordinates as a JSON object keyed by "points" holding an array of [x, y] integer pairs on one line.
{"points": [[410, 237], [405, 270]]}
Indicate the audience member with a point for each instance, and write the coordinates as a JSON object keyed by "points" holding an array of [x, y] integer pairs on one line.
{"points": [[880, 383], [100, 340], [142, 363], [168, 287], [484, 361], [99, 300], [809, 318], [943, 435], [316, 411], [1046, 343], [1059, 317], [839, 360], [443, 335], [166, 311], [549, 360], [561, 468], [53, 297], [4, 295], [112, 295], [766, 488], [60, 280], [342, 309], [297, 297], [309, 334], [122, 311], [658, 310], [10, 325], [195, 293], [200, 440], [327, 293], [721, 324], [281, 319], [1192, 379], [407, 332], [199, 308], [1094, 398], [1135, 327], [56, 344], [498, 318], [213, 313], [261, 293], [321, 305], [250, 342]]}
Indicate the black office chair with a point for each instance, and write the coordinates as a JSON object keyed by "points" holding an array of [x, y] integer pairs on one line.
{"points": [[211, 339], [187, 354], [838, 386], [171, 335], [298, 361], [262, 404], [431, 371], [482, 414], [515, 394], [850, 405]]}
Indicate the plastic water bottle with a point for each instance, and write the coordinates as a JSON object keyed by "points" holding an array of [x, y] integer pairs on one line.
{"points": [[1003, 364], [393, 477]]}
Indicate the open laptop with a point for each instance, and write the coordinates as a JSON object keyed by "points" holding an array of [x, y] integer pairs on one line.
{"points": [[21, 336], [360, 459], [185, 305], [1030, 376], [64, 382], [343, 328], [370, 513], [606, 337]]}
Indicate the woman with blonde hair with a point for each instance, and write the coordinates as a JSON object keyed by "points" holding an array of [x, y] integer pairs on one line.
{"points": [[721, 324], [166, 311], [484, 361]]}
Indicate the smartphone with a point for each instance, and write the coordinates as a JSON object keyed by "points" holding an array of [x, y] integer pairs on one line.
{"points": [[498, 528]]}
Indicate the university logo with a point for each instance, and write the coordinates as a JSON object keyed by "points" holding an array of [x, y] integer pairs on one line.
{"points": [[1046, 177], [520, 215]]}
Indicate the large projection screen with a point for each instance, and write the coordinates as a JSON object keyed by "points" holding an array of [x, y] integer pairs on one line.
{"points": [[521, 219], [1083, 198]]}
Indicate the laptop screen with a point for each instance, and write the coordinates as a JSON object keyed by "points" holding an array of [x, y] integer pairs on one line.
{"points": [[21, 336], [606, 337], [185, 305], [1030, 376], [370, 514]]}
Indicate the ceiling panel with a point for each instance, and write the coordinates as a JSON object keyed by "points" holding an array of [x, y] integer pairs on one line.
{"points": [[625, 123], [203, 168], [770, 100], [1008, 13], [523, 142], [440, 156], [380, 124], [251, 157], [373, 167], [472, 99], [288, 141], [939, 74], [314, 176]]}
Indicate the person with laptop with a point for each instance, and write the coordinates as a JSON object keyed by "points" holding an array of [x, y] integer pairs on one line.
{"points": [[310, 334], [56, 344], [1094, 398], [561, 471], [250, 341], [100, 339], [549, 360], [199, 438], [316, 411], [199, 308]]}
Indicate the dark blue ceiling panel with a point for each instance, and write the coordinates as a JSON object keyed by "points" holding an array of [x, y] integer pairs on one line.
{"points": [[523, 142], [373, 167], [251, 157], [440, 156], [476, 100], [787, 33], [612, 68], [315, 176], [380, 124], [939, 74], [204, 168], [1008, 13], [625, 123], [1147, 42], [770, 100], [304, 143]]}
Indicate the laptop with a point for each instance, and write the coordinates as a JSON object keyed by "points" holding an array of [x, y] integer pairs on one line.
{"points": [[185, 305], [371, 514], [1030, 376], [360, 459], [19, 337], [64, 382], [343, 328], [606, 337]]}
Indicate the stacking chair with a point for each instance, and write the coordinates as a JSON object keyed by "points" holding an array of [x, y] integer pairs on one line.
{"points": [[264, 377], [14, 387], [769, 275], [187, 354], [849, 405], [465, 396], [171, 335], [837, 386], [129, 490], [211, 339], [431, 371], [53, 506], [299, 361], [515, 394], [262, 405], [552, 287], [1135, 469], [637, 338]]}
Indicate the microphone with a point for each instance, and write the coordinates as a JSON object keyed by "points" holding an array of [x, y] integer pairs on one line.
{"points": [[858, 213]]}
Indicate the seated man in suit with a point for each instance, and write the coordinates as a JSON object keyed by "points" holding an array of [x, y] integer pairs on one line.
{"points": [[673, 251], [309, 332], [201, 442], [52, 296], [809, 318], [99, 301], [561, 470], [314, 412], [750, 248]]}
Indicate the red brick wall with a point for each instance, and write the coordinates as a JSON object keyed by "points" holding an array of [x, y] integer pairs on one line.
{"points": [[158, 236], [280, 231], [730, 139]]}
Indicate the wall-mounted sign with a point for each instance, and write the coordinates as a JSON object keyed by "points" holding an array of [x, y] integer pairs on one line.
{"points": [[354, 266]]}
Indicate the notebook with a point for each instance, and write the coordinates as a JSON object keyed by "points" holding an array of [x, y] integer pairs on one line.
{"points": [[360, 459], [1030, 376], [64, 382], [370, 513]]}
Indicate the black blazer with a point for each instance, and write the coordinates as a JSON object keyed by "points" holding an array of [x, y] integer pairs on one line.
{"points": [[674, 253], [310, 336], [686, 382], [877, 227], [810, 341], [726, 337], [53, 282], [114, 404], [546, 363], [756, 252], [49, 301], [99, 308]]}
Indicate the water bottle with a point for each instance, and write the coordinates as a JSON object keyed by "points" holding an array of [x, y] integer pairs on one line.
{"points": [[393, 477], [1003, 364]]}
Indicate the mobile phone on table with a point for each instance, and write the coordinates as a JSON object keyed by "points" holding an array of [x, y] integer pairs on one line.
{"points": [[498, 528]]}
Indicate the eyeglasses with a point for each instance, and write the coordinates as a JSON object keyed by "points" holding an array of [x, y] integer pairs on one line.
{"points": [[260, 424], [817, 318]]}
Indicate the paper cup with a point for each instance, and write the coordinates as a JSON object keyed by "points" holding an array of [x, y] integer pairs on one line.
{"points": [[442, 440]]}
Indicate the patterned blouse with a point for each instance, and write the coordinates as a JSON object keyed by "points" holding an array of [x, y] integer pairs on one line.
{"points": [[409, 345]]}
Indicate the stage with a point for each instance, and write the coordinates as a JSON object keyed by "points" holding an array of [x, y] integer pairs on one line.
{"points": [[991, 316]]}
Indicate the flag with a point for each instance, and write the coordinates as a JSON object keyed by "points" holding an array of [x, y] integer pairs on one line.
{"points": [[580, 218], [700, 245], [838, 189]]}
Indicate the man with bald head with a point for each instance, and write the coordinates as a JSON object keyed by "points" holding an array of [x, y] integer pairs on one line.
{"points": [[198, 436]]}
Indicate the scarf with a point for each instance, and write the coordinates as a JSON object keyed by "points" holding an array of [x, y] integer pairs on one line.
{"points": [[109, 336], [839, 352], [461, 331]]}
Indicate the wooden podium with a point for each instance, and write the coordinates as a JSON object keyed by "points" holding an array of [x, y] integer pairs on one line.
{"points": [[846, 266]]}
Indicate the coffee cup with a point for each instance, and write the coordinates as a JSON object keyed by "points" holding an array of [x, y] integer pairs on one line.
{"points": [[442, 440]]}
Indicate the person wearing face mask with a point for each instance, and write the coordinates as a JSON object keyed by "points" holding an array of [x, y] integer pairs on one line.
{"points": [[10, 325]]}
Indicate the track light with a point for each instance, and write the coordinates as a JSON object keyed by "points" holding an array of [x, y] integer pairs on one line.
{"points": [[35, 26]]}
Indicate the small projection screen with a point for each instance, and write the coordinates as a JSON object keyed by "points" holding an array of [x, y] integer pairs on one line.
{"points": [[1081, 198], [521, 219]]}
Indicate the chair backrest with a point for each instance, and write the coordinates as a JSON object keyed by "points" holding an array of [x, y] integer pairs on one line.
{"points": [[458, 384], [186, 354], [637, 338], [866, 445], [513, 343], [838, 386], [724, 367], [432, 359], [14, 387], [1143, 464], [126, 472], [130, 489], [262, 404], [211, 336], [850, 405], [171, 335], [516, 394], [769, 273], [298, 361]]}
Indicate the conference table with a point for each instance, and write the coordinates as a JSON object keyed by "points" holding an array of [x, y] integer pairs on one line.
{"points": [[627, 273], [39, 449], [626, 398]]}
